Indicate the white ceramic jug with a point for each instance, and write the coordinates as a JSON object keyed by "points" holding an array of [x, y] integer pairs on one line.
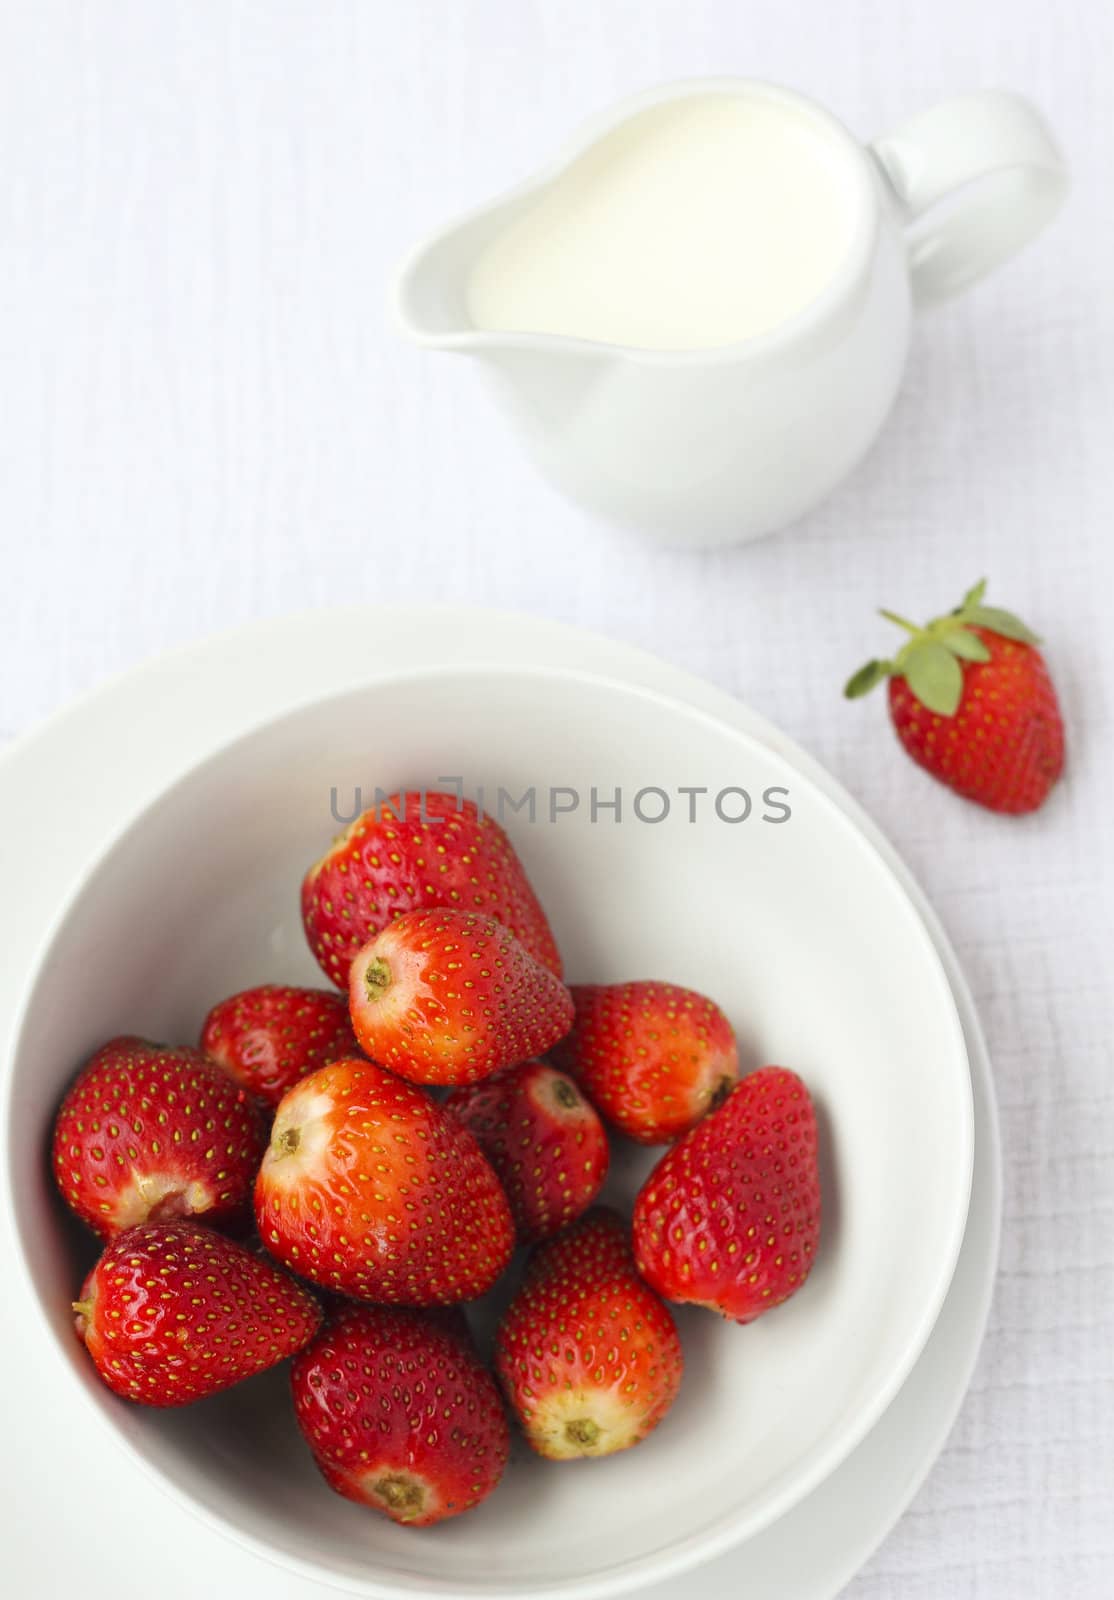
{"points": [[714, 445]]}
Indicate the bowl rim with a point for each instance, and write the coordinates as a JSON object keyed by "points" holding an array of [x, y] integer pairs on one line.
{"points": [[729, 1530]]}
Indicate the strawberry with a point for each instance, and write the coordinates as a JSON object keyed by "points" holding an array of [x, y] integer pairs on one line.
{"points": [[597, 1243], [268, 1038], [972, 702], [588, 1355], [400, 1414], [370, 1188], [173, 1312], [418, 851], [449, 997], [147, 1133], [544, 1140], [730, 1216], [653, 1057]]}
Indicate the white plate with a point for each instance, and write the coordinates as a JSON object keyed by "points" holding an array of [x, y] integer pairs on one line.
{"points": [[449, 640], [788, 917]]}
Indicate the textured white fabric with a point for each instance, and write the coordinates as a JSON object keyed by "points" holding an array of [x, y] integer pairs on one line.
{"points": [[205, 419]]}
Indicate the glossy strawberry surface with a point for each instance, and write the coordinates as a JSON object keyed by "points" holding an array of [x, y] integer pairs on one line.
{"points": [[730, 1216], [415, 852], [173, 1312], [653, 1057], [545, 1141], [597, 1243], [400, 1414], [449, 997], [150, 1133], [972, 701], [1003, 747], [588, 1355], [370, 1188], [269, 1037]]}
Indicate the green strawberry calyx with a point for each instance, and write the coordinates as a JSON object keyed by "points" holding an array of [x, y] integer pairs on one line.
{"points": [[931, 660]]}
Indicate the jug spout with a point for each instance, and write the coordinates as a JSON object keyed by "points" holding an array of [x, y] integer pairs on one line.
{"points": [[431, 291], [544, 377]]}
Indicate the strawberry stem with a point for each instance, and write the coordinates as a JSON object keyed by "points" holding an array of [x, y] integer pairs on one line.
{"points": [[377, 978], [583, 1431], [401, 1493], [902, 622]]}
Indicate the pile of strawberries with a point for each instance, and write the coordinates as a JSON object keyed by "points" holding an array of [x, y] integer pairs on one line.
{"points": [[380, 1205]]}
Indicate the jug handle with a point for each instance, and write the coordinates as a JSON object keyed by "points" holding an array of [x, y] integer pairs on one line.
{"points": [[975, 179]]}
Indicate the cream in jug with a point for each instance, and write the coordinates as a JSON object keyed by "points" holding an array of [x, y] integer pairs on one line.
{"points": [[700, 222]]}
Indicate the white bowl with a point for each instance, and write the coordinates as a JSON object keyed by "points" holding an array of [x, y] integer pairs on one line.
{"points": [[798, 928]]}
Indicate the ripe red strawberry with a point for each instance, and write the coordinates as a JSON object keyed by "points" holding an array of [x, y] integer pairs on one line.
{"points": [[173, 1312], [588, 1356], [449, 997], [147, 1133], [596, 1244], [268, 1038], [544, 1140], [400, 1414], [730, 1217], [417, 852], [653, 1057], [972, 702], [368, 1187]]}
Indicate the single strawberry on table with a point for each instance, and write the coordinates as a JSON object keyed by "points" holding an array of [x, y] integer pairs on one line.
{"points": [[588, 1355], [149, 1133], [370, 1188], [545, 1141], [654, 1058], [417, 852], [173, 1312], [448, 997], [269, 1037], [400, 1413], [972, 702], [730, 1216]]}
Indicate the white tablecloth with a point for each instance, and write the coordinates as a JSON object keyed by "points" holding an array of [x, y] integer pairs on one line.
{"points": [[205, 419]]}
